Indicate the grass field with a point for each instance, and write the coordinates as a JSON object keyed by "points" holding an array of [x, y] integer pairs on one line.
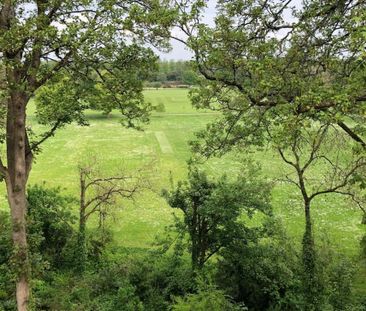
{"points": [[163, 147]]}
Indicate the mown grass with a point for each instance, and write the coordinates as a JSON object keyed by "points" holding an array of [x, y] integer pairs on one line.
{"points": [[137, 223]]}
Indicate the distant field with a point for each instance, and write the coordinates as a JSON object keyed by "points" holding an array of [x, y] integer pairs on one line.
{"points": [[163, 146]]}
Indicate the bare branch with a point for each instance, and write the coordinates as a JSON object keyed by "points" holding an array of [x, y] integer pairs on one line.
{"points": [[282, 154], [344, 182]]}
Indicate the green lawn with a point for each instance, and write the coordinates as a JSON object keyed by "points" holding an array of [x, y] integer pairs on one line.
{"points": [[163, 148]]}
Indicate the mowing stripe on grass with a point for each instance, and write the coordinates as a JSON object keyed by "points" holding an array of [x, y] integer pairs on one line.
{"points": [[163, 142]]}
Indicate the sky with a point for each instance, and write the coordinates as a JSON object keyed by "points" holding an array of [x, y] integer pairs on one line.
{"points": [[180, 52]]}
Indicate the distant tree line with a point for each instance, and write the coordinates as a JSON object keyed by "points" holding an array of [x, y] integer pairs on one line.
{"points": [[173, 73]]}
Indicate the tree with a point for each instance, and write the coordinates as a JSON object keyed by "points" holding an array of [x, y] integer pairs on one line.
{"points": [[265, 61], [46, 42], [97, 195], [323, 163], [212, 209], [180, 72], [270, 64], [2, 106]]}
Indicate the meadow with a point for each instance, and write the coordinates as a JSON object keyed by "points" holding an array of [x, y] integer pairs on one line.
{"points": [[162, 149]]}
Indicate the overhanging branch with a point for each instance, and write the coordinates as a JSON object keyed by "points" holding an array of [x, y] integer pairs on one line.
{"points": [[45, 136], [352, 134]]}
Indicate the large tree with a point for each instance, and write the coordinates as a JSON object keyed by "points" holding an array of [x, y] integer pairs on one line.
{"points": [[276, 66], [323, 162], [265, 62], [76, 50]]}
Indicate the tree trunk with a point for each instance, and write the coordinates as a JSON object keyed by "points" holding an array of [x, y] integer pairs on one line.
{"points": [[16, 180], [363, 241], [81, 260], [194, 238], [82, 243], [308, 256]]}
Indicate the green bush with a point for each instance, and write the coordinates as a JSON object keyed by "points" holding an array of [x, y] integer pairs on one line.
{"points": [[50, 223], [207, 298], [160, 107], [262, 273], [7, 279], [156, 85], [157, 278], [363, 247]]}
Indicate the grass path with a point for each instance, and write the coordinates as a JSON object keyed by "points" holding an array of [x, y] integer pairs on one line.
{"points": [[163, 142]]}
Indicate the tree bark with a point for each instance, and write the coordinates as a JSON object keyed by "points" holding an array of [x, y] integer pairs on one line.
{"points": [[194, 238], [308, 256], [18, 169], [82, 226]]}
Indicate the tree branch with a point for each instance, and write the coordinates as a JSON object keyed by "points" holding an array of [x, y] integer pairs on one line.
{"points": [[360, 163], [3, 169], [352, 134], [45, 136]]}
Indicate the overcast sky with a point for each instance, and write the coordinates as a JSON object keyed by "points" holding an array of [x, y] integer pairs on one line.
{"points": [[180, 52]]}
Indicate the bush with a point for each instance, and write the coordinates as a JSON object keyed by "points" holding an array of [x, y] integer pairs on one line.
{"points": [[340, 284], [50, 223], [207, 298], [160, 107], [7, 278], [262, 273], [157, 278], [363, 246], [156, 85]]}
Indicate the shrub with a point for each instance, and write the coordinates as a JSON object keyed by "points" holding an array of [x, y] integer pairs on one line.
{"points": [[207, 298], [157, 278], [7, 299], [50, 222], [363, 247], [156, 85], [261, 273], [160, 107]]}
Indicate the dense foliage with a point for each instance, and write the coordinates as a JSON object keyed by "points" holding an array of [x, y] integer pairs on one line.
{"points": [[257, 270], [213, 211]]}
